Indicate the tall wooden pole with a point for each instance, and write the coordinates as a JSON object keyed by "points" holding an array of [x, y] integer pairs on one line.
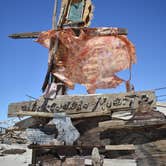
{"points": [[54, 20]]}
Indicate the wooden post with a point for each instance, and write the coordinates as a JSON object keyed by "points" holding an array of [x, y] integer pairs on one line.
{"points": [[34, 157]]}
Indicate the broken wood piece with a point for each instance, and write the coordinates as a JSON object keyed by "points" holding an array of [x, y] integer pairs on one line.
{"points": [[96, 158]]}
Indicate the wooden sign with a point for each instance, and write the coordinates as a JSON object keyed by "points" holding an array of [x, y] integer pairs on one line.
{"points": [[76, 104]]}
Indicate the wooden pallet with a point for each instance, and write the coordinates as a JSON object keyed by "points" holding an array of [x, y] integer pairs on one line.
{"points": [[83, 160]]}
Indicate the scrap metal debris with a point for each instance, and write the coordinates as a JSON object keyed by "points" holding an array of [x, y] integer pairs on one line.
{"points": [[64, 132], [36, 136], [67, 133], [91, 58], [12, 136]]}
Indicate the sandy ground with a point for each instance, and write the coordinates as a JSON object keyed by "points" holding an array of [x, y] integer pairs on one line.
{"points": [[15, 159]]}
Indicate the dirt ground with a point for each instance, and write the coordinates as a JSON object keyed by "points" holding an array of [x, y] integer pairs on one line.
{"points": [[15, 159]]}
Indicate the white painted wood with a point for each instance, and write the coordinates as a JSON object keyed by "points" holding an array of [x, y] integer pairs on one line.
{"points": [[123, 115], [161, 106], [119, 162], [114, 162], [120, 147]]}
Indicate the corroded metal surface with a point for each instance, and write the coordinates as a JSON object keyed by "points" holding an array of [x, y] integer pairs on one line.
{"points": [[92, 58]]}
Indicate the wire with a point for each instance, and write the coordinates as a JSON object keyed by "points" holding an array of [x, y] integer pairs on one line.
{"points": [[160, 96], [162, 100], [31, 97], [157, 89]]}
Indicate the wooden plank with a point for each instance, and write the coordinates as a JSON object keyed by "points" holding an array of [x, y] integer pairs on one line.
{"points": [[122, 115], [21, 106], [32, 35], [120, 147], [30, 122], [26, 123], [44, 146], [119, 162], [63, 11], [112, 123], [106, 147], [25, 35], [78, 104], [125, 125], [114, 162], [51, 115]]}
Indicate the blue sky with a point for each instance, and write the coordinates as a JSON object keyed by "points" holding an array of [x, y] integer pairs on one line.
{"points": [[23, 63]]}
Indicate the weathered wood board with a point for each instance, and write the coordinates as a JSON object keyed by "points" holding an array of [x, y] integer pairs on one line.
{"points": [[120, 124], [120, 147], [84, 103], [82, 161], [114, 162], [52, 115], [30, 122]]}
